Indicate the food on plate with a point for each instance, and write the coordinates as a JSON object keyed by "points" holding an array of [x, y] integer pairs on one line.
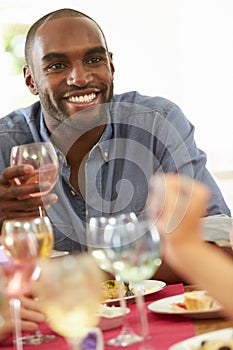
{"points": [[111, 290], [195, 301], [111, 316], [198, 301], [215, 344], [112, 311]]}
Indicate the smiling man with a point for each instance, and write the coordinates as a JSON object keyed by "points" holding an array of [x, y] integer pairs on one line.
{"points": [[108, 145], [70, 71]]}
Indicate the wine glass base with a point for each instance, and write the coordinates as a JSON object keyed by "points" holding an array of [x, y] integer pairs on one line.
{"points": [[35, 339], [125, 339]]}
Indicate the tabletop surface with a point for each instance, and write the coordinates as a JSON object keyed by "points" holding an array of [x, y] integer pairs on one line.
{"points": [[165, 330]]}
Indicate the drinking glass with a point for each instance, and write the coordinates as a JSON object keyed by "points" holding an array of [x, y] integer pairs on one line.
{"points": [[97, 240], [135, 255], [69, 290], [42, 156], [22, 254], [132, 250], [39, 226], [42, 229]]}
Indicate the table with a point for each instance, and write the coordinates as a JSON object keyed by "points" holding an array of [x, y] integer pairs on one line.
{"points": [[164, 329]]}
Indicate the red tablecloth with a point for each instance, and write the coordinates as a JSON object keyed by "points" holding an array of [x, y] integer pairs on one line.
{"points": [[164, 330]]}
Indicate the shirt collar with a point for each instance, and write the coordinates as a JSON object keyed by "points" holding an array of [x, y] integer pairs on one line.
{"points": [[43, 129], [102, 143]]}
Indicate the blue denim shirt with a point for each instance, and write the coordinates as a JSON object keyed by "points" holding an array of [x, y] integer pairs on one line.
{"points": [[143, 135]]}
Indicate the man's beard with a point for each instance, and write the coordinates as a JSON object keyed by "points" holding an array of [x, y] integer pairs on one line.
{"points": [[82, 121]]}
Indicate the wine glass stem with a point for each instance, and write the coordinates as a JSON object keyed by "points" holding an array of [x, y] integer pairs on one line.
{"points": [[142, 312], [15, 306], [74, 344], [126, 329], [121, 291], [41, 211]]}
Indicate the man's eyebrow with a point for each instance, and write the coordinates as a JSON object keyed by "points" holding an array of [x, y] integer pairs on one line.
{"points": [[57, 55], [53, 55], [97, 49]]}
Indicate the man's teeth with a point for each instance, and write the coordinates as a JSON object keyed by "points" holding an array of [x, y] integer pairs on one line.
{"points": [[82, 99]]}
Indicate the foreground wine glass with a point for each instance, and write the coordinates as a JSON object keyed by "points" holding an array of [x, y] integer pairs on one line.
{"points": [[42, 229], [69, 290], [98, 244], [22, 252], [39, 226], [42, 156], [135, 255], [131, 250]]}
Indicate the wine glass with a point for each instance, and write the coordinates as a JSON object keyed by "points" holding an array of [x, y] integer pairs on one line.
{"points": [[40, 226], [42, 229], [132, 251], [135, 256], [22, 254], [69, 290], [98, 233], [42, 156]]}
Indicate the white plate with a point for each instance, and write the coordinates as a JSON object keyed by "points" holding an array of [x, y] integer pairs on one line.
{"points": [[189, 344], [149, 286], [165, 306]]}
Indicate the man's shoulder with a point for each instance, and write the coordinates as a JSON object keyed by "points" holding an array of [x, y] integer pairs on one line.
{"points": [[19, 118], [153, 103]]}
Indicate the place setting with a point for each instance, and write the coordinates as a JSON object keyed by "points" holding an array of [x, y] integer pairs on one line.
{"points": [[111, 293], [195, 305], [221, 339]]}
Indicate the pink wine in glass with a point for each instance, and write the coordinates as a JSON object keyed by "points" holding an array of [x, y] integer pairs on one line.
{"points": [[45, 174], [43, 158]]}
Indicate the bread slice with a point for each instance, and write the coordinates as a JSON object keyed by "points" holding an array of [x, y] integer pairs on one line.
{"points": [[197, 300]]}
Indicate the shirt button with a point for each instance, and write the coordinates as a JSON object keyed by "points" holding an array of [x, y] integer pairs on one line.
{"points": [[59, 157], [73, 193], [105, 154]]}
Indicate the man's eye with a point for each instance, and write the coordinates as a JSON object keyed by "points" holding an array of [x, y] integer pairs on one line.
{"points": [[94, 60], [56, 66]]}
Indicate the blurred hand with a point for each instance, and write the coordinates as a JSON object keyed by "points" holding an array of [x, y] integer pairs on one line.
{"points": [[14, 200], [31, 316], [176, 204]]}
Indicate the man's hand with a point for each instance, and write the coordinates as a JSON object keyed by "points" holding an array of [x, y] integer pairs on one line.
{"points": [[15, 200]]}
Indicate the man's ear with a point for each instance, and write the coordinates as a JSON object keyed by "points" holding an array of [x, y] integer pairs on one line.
{"points": [[111, 63], [28, 77]]}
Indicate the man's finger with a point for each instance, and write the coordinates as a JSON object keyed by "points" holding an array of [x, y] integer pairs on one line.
{"points": [[15, 171]]}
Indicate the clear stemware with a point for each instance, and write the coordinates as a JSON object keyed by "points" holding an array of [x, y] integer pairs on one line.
{"points": [[135, 255], [69, 290], [42, 229], [17, 269], [42, 156], [132, 251], [98, 244], [40, 226]]}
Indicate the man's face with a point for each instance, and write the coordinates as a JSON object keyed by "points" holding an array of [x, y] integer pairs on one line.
{"points": [[72, 71]]}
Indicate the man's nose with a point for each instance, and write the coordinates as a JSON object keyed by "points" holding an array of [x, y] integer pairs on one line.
{"points": [[79, 76]]}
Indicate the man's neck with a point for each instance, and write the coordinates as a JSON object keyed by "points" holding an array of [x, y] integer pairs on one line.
{"points": [[76, 150]]}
